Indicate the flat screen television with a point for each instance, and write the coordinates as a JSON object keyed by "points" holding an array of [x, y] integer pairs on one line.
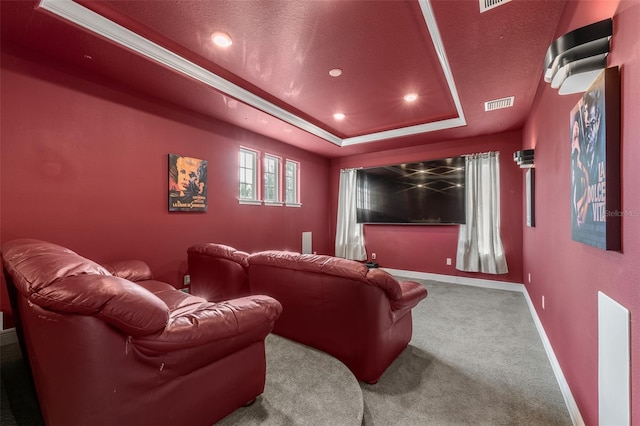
{"points": [[430, 192]]}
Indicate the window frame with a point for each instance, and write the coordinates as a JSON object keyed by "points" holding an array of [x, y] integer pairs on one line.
{"points": [[277, 178], [296, 183], [255, 194], [257, 170]]}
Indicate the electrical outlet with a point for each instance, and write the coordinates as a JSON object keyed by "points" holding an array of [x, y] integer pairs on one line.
{"points": [[543, 301], [449, 261], [373, 256], [187, 279]]}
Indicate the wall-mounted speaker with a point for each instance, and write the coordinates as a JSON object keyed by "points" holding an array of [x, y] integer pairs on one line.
{"points": [[524, 158], [574, 60]]}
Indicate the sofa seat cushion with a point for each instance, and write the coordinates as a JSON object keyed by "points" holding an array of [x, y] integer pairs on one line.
{"points": [[176, 301]]}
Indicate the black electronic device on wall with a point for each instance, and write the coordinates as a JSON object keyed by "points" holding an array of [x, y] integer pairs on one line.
{"points": [[429, 192]]}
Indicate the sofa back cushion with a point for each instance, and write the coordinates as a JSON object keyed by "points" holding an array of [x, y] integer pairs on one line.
{"points": [[329, 265], [221, 251], [132, 270], [60, 280], [35, 264], [311, 263], [121, 303]]}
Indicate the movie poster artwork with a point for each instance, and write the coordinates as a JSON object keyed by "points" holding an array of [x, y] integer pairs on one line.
{"points": [[589, 214], [187, 184]]}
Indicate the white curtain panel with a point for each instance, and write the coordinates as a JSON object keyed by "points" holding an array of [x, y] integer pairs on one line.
{"points": [[349, 233], [479, 243]]}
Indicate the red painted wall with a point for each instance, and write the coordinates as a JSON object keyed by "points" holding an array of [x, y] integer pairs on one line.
{"points": [[85, 165], [425, 248], [567, 273]]}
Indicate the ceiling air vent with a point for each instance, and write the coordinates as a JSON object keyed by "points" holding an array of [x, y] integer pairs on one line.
{"points": [[490, 4], [498, 104]]}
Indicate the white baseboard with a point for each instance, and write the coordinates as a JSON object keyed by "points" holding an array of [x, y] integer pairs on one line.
{"points": [[8, 336], [570, 402]]}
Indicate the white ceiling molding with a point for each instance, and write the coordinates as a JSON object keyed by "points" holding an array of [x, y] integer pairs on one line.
{"points": [[100, 25], [92, 21], [427, 12], [432, 26], [405, 131]]}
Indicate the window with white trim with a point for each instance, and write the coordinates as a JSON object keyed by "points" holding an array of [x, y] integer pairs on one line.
{"points": [[248, 190], [271, 179], [268, 179], [291, 182]]}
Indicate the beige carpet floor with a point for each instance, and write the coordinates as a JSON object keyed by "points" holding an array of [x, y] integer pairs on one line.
{"points": [[475, 359], [304, 387]]}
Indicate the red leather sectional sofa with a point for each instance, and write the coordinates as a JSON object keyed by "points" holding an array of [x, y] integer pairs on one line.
{"points": [[359, 315], [108, 345]]}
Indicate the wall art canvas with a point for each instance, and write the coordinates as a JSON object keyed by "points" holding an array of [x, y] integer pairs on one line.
{"points": [[595, 164], [187, 184]]}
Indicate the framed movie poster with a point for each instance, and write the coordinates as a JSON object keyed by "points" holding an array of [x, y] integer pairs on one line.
{"points": [[595, 164], [187, 184]]}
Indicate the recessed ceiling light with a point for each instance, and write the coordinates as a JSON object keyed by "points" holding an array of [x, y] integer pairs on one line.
{"points": [[221, 39], [338, 116], [336, 72], [411, 97]]}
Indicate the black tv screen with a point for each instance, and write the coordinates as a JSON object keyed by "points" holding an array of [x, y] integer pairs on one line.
{"points": [[428, 193]]}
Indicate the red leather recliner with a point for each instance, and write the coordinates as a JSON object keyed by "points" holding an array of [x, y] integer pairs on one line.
{"points": [[105, 350], [361, 316]]}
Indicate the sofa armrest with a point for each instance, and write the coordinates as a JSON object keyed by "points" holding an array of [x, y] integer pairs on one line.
{"points": [[207, 322], [203, 332], [132, 270], [386, 282], [412, 294]]}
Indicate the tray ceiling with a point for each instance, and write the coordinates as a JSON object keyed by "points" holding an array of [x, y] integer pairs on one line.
{"points": [[274, 79]]}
